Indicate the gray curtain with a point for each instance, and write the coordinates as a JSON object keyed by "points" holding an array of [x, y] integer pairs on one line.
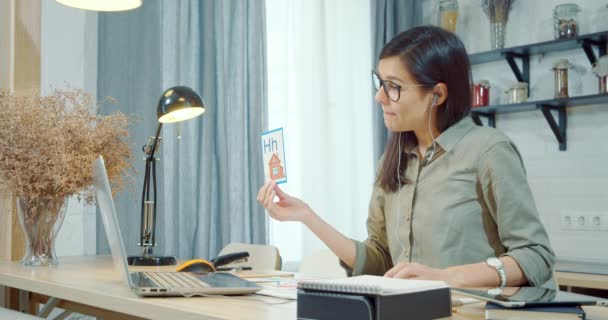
{"points": [[210, 177], [389, 17], [128, 69]]}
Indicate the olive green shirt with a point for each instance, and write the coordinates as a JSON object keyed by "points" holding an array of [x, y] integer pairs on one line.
{"points": [[470, 202]]}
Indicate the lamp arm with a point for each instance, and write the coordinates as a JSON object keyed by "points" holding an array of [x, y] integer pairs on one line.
{"points": [[148, 210], [155, 143]]}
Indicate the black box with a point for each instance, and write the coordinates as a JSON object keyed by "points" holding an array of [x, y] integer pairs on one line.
{"points": [[322, 305]]}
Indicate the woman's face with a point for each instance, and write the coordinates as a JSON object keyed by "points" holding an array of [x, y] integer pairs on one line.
{"points": [[410, 112]]}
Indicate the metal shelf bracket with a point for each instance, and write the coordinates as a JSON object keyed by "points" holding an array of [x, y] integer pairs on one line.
{"points": [[559, 127], [520, 75], [587, 45], [491, 118]]}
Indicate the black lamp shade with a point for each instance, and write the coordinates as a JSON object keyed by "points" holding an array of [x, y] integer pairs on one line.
{"points": [[178, 104]]}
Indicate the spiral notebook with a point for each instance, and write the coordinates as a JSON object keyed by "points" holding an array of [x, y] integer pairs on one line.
{"points": [[371, 285]]}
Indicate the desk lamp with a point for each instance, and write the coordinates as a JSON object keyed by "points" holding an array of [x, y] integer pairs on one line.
{"points": [[175, 105]]}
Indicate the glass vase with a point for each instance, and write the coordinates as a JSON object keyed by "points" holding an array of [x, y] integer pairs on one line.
{"points": [[40, 219], [497, 33]]}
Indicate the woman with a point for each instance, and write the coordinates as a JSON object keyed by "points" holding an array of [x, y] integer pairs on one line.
{"points": [[451, 201]]}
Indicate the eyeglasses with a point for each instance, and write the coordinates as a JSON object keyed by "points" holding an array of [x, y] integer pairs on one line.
{"points": [[392, 90]]}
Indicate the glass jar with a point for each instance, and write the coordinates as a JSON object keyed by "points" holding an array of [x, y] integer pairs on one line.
{"points": [[481, 93], [517, 93], [600, 69], [448, 14], [565, 20], [560, 71]]}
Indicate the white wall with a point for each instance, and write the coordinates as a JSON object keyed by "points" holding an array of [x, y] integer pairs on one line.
{"points": [[69, 59], [569, 181]]}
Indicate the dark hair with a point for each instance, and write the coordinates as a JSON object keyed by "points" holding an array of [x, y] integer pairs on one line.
{"points": [[431, 55]]}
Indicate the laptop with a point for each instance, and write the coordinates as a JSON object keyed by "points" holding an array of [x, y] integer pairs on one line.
{"points": [[158, 283], [530, 297]]}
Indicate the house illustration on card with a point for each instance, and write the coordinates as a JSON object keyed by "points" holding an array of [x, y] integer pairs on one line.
{"points": [[276, 169]]}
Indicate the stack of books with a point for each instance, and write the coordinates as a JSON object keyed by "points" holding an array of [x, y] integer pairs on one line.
{"points": [[566, 312]]}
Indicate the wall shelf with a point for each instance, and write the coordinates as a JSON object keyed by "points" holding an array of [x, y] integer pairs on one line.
{"points": [[587, 42], [590, 39], [558, 127]]}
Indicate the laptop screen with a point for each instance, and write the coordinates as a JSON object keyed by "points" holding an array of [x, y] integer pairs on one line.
{"points": [[214, 283], [110, 221]]}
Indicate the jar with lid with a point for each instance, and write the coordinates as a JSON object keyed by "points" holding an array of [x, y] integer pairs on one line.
{"points": [[600, 69], [448, 14], [517, 93], [560, 71], [565, 20], [481, 93]]}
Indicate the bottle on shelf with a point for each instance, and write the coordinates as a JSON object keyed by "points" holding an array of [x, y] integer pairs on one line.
{"points": [[481, 93], [517, 93], [448, 14], [565, 20], [560, 71]]}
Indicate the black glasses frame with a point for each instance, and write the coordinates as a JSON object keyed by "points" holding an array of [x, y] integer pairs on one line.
{"points": [[385, 84]]}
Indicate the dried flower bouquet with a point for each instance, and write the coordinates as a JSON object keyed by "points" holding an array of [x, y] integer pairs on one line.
{"points": [[47, 146]]}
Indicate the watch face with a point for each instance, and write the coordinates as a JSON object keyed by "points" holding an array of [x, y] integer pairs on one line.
{"points": [[494, 262], [494, 291]]}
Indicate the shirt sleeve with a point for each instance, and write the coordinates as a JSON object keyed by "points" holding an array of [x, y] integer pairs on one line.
{"points": [[372, 255], [509, 200]]}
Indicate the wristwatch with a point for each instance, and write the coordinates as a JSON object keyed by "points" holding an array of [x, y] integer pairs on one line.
{"points": [[494, 292], [496, 263]]}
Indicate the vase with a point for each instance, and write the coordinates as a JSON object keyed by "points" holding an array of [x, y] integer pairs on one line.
{"points": [[497, 32], [40, 219]]}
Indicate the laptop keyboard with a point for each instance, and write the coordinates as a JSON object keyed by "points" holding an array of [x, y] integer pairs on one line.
{"points": [[175, 280]]}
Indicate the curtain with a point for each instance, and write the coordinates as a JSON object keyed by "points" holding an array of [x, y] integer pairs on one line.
{"points": [[389, 17], [319, 81], [128, 69], [210, 168]]}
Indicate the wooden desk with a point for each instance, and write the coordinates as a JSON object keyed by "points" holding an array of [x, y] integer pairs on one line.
{"points": [[90, 285], [92, 281], [582, 280]]}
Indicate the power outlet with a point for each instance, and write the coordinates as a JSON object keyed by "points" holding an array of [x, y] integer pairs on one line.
{"points": [[580, 221], [584, 221], [597, 221], [567, 220]]}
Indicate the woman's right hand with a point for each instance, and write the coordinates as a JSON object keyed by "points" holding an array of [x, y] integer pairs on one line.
{"points": [[288, 208]]}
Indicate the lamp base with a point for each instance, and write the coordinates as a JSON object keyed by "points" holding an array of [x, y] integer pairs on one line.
{"points": [[151, 261]]}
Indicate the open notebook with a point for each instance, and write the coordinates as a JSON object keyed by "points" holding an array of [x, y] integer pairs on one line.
{"points": [[371, 285]]}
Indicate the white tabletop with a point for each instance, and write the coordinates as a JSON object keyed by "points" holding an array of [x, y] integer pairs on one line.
{"points": [[92, 280]]}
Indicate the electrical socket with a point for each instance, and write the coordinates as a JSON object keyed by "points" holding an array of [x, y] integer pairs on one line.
{"points": [[567, 220], [584, 221], [581, 221], [597, 221]]}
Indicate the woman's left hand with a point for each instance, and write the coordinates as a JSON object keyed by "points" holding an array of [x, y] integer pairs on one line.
{"points": [[418, 271]]}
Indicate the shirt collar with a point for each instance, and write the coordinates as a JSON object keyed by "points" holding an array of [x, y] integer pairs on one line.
{"points": [[450, 137]]}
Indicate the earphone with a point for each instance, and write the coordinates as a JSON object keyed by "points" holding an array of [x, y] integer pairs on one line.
{"points": [[433, 103], [435, 97]]}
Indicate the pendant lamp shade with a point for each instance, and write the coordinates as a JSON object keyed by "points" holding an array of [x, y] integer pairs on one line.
{"points": [[102, 5]]}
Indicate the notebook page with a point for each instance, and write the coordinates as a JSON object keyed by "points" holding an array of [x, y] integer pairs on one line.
{"points": [[373, 285]]}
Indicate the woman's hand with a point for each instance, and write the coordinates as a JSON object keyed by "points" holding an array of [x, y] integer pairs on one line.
{"points": [[287, 208], [418, 271]]}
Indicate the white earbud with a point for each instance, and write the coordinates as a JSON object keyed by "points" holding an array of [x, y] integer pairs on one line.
{"points": [[435, 97]]}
